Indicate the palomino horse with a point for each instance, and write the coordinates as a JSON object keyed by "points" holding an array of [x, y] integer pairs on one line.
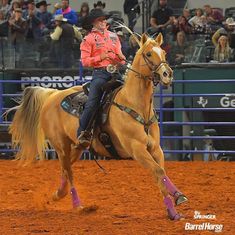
{"points": [[40, 116]]}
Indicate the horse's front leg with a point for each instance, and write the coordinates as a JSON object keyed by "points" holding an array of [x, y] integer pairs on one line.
{"points": [[178, 196], [142, 155]]}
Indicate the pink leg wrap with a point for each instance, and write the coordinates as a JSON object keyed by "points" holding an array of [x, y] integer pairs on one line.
{"points": [[170, 209], [170, 186], [75, 199]]}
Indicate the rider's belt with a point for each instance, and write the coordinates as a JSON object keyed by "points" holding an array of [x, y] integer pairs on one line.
{"points": [[100, 69]]}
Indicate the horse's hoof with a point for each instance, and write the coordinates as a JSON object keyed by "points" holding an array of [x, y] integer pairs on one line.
{"points": [[59, 195], [88, 209], [176, 216], [181, 198], [78, 207]]}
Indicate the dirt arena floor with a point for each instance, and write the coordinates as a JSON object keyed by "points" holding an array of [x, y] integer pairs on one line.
{"points": [[124, 201]]}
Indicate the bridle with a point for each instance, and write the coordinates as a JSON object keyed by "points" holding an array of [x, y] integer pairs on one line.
{"points": [[155, 77], [154, 68]]}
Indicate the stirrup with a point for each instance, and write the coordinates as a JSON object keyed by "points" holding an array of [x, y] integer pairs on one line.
{"points": [[84, 139]]}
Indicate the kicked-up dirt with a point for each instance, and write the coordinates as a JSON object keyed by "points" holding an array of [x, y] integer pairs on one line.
{"points": [[124, 201]]}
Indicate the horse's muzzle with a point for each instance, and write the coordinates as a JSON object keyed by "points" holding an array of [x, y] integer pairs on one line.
{"points": [[166, 75]]}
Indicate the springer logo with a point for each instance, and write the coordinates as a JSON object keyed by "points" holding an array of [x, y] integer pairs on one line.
{"points": [[204, 226]]}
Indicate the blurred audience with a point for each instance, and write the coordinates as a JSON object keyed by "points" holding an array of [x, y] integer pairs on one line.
{"points": [[161, 18], [67, 12], [84, 11], [5, 7], [213, 16], [3, 25], [56, 7], [17, 27], [45, 16], [181, 24], [100, 5], [32, 16], [124, 44], [223, 52], [131, 9], [63, 38], [134, 46], [178, 49], [17, 31], [15, 4], [198, 22], [228, 29], [186, 14], [37, 26]]}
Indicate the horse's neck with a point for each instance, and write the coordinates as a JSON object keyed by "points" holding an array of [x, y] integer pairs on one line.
{"points": [[138, 93]]}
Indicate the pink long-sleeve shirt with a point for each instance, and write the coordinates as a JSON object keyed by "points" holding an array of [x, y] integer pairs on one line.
{"points": [[96, 43]]}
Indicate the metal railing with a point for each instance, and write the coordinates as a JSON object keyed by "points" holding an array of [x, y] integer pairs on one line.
{"points": [[161, 96], [209, 149]]}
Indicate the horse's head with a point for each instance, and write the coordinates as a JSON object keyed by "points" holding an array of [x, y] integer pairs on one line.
{"points": [[153, 63]]}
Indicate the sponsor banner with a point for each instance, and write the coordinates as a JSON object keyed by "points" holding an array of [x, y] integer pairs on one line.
{"points": [[53, 81], [226, 101]]}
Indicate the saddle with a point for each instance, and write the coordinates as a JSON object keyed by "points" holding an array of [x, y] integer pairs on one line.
{"points": [[74, 104]]}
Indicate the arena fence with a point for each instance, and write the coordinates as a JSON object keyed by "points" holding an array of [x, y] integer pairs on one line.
{"points": [[195, 114]]}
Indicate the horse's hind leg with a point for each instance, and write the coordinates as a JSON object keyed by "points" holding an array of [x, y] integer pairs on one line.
{"points": [[64, 152], [75, 154], [62, 191]]}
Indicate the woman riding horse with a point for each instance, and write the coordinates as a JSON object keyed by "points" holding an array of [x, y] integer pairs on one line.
{"points": [[97, 48], [131, 124]]}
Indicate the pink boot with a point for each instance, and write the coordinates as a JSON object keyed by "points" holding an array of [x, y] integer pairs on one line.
{"points": [[178, 196], [173, 215], [75, 199]]}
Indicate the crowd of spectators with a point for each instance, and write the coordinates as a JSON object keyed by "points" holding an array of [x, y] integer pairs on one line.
{"points": [[53, 38], [202, 27]]}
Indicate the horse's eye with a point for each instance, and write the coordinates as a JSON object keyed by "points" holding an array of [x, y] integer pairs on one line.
{"points": [[148, 54]]}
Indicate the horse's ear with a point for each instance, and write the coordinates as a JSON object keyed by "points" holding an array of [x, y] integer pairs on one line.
{"points": [[159, 39], [144, 38]]}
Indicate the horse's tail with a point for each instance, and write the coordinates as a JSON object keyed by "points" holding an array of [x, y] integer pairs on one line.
{"points": [[27, 135]]}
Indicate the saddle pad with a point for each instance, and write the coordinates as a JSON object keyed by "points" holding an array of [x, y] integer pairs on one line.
{"points": [[74, 103]]}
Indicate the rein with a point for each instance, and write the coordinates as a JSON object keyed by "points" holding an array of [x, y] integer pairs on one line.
{"points": [[154, 69]]}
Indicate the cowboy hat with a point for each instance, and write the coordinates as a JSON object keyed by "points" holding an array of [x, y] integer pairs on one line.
{"points": [[229, 21], [18, 10], [29, 1], [99, 4], [42, 3], [93, 15], [61, 18]]}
